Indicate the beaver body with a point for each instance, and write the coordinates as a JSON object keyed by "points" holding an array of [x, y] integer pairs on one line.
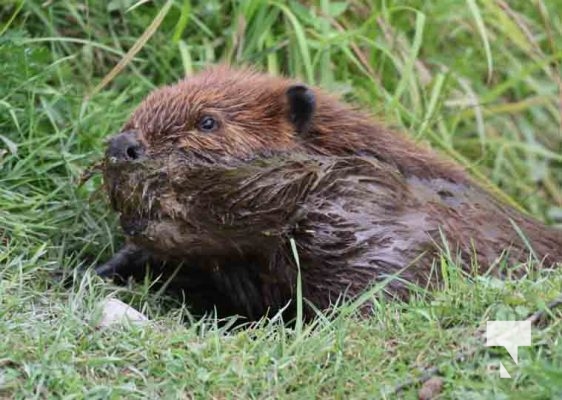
{"points": [[214, 176]]}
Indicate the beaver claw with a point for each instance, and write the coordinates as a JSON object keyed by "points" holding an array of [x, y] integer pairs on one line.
{"points": [[129, 258]]}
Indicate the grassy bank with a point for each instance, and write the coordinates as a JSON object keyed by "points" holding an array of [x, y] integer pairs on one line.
{"points": [[478, 80]]}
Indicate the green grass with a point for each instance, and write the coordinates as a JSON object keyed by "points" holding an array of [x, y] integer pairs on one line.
{"points": [[477, 79]]}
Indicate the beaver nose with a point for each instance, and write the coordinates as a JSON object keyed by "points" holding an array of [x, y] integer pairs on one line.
{"points": [[125, 147]]}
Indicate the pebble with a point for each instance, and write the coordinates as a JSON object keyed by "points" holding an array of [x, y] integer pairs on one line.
{"points": [[115, 311]]}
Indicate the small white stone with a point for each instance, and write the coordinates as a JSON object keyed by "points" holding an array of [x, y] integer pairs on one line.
{"points": [[115, 311]]}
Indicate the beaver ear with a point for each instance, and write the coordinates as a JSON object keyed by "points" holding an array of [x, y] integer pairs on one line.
{"points": [[302, 103]]}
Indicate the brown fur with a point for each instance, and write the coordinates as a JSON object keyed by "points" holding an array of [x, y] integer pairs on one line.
{"points": [[361, 201]]}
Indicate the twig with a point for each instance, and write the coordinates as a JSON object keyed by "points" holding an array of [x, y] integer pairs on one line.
{"points": [[90, 171]]}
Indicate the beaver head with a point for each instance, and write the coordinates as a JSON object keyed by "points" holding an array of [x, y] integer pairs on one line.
{"points": [[214, 160]]}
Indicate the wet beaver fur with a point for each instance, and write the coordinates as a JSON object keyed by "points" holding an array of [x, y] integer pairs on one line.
{"points": [[214, 175]]}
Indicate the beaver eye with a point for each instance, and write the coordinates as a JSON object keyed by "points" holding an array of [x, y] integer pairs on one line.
{"points": [[208, 124]]}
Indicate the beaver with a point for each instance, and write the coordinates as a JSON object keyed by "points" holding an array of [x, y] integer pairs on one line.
{"points": [[221, 176]]}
